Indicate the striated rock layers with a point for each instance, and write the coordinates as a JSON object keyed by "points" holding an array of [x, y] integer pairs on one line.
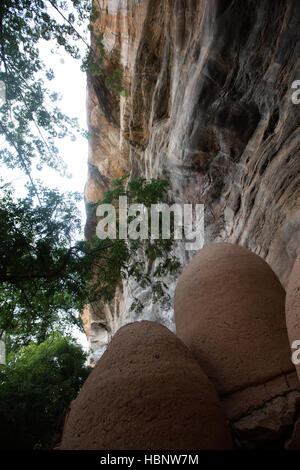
{"points": [[230, 312], [147, 392], [210, 108]]}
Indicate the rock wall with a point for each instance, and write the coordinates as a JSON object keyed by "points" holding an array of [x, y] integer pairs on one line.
{"points": [[209, 108]]}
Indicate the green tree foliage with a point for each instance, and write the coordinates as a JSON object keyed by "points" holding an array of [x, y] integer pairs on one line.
{"points": [[30, 118], [36, 388], [135, 258], [31, 121], [43, 273], [47, 276]]}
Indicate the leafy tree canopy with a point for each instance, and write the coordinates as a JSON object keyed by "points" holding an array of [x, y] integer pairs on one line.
{"points": [[42, 275], [47, 276], [31, 121], [36, 388], [30, 118]]}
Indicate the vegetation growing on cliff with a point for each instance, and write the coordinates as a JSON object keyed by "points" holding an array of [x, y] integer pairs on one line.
{"points": [[156, 258]]}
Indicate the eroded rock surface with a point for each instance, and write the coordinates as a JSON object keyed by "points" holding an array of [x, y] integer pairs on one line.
{"points": [[209, 108], [146, 392], [229, 311]]}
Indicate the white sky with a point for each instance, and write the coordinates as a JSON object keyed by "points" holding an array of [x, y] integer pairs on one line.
{"points": [[70, 82]]}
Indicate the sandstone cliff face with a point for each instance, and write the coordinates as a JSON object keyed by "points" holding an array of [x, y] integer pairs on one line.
{"points": [[210, 109]]}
